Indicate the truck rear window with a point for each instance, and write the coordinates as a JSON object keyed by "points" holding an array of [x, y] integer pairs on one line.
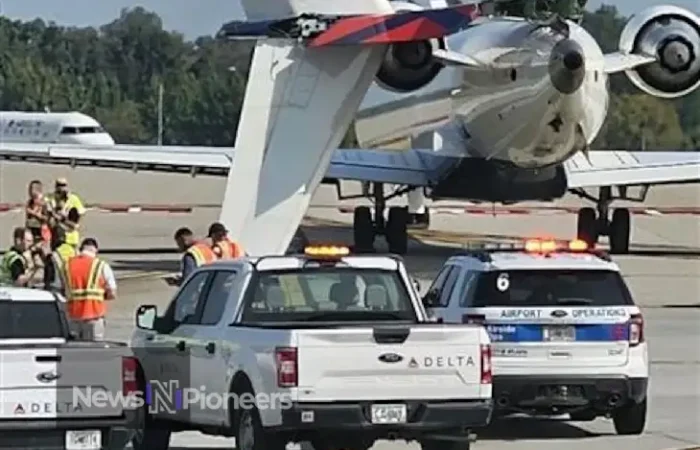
{"points": [[30, 320], [328, 295], [523, 288]]}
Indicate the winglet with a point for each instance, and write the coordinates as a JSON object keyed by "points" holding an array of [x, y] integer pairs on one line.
{"points": [[619, 62]]}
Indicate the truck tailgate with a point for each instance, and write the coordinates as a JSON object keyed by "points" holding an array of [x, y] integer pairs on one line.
{"points": [[48, 382], [412, 362]]}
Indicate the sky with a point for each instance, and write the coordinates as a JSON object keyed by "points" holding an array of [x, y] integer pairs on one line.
{"points": [[195, 17]]}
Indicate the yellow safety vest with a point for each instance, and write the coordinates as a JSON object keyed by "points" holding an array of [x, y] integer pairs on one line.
{"points": [[10, 257], [72, 237], [60, 258]]}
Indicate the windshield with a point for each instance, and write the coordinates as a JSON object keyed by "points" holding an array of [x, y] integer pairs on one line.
{"points": [[523, 288], [30, 320], [334, 294]]}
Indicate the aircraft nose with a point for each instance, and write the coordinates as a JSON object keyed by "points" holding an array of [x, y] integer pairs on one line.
{"points": [[567, 66]]}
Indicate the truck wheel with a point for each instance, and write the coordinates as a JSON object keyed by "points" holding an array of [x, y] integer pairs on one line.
{"points": [[631, 419], [445, 445], [250, 434]]}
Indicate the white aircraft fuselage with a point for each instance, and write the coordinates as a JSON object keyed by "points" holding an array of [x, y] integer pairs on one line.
{"points": [[527, 107]]}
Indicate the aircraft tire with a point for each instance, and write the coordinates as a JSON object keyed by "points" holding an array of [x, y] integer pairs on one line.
{"points": [[587, 226], [420, 221], [397, 230], [620, 231], [363, 230]]}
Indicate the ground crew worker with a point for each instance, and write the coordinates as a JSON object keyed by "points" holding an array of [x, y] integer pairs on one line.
{"points": [[67, 209], [91, 283], [15, 269], [226, 248], [36, 214], [55, 268], [195, 253]]}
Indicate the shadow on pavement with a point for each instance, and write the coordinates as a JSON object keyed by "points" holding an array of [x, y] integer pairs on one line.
{"points": [[511, 429], [145, 265]]}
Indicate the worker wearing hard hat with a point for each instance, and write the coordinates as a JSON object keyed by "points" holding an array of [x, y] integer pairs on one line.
{"points": [[225, 247], [194, 253], [66, 209]]}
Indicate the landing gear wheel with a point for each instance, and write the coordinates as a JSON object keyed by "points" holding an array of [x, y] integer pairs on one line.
{"points": [[445, 445], [363, 230], [397, 230], [620, 232], [631, 419], [587, 226], [420, 221]]}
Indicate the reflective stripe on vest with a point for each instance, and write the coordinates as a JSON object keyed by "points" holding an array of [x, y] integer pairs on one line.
{"points": [[202, 254], [86, 287], [10, 257]]}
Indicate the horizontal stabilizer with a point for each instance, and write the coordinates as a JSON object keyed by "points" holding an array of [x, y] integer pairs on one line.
{"points": [[318, 30], [619, 62]]}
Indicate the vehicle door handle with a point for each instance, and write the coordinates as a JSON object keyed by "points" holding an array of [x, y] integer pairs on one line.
{"points": [[180, 346], [211, 347]]}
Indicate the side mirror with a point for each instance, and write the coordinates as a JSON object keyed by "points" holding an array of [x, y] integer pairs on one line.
{"points": [[146, 317], [431, 299]]}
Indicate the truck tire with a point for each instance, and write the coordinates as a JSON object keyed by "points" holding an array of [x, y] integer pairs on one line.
{"points": [[152, 437], [445, 445], [249, 432], [631, 419]]}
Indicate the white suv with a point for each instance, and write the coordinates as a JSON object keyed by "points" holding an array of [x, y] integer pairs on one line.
{"points": [[567, 336]]}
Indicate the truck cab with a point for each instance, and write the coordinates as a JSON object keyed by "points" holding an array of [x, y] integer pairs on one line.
{"points": [[337, 346]]}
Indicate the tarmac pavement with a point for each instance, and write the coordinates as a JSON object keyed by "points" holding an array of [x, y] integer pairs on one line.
{"points": [[663, 273]]}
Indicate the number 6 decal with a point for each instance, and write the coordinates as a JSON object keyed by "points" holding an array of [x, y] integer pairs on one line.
{"points": [[503, 282]]}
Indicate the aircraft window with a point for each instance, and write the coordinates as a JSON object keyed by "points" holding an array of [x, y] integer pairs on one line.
{"points": [[513, 75], [69, 130], [86, 130]]}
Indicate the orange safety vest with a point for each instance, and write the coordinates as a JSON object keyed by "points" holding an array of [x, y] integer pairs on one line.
{"points": [[46, 234], [202, 254], [230, 249], [86, 288]]}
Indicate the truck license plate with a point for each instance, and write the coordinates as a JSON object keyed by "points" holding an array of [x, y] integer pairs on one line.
{"points": [[83, 440], [560, 333], [388, 414]]}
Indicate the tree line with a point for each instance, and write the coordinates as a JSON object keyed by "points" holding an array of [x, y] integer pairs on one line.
{"points": [[117, 72]]}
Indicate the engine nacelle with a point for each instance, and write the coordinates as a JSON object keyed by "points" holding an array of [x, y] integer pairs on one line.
{"points": [[672, 35], [409, 66]]}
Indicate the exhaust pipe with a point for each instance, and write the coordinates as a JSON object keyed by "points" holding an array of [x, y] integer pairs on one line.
{"points": [[614, 400], [502, 401]]}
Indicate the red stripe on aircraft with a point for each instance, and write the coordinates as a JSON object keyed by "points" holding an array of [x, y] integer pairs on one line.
{"points": [[345, 27], [416, 30]]}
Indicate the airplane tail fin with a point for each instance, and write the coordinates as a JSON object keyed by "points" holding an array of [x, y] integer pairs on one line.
{"points": [[320, 30]]}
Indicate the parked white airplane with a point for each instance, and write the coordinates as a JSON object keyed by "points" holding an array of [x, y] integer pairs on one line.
{"points": [[52, 127], [508, 108]]}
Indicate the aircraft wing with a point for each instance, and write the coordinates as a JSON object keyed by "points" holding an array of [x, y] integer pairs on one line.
{"points": [[409, 167], [625, 168]]}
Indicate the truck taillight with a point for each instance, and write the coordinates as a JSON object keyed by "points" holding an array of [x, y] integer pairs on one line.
{"points": [[129, 375], [486, 374], [636, 329], [287, 366], [474, 319]]}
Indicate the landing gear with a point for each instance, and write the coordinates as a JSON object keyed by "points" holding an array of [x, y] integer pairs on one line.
{"points": [[418, 213], [593, 223], [394, 227]]}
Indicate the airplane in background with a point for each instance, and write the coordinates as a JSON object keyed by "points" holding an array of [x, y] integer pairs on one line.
{"points": [[52, 128], [497, 109]]}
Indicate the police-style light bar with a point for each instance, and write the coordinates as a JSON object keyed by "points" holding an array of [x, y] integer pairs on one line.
{"points": [[531, 246], [326, 251]]}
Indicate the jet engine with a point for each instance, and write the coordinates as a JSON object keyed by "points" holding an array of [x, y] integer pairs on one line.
{"points": [[672, 35], [409, 66]]}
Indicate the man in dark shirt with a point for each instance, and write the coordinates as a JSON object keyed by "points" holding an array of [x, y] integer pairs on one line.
{"points": [[184, 238], [14, 267]]}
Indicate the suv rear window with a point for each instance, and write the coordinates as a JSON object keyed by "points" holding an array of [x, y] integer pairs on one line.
{"points": [[333, 294], [30, 320], [524, 288]]}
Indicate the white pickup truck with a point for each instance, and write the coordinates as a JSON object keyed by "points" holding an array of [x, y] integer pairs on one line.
{"points": [[54, 391], [327, 348]]}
